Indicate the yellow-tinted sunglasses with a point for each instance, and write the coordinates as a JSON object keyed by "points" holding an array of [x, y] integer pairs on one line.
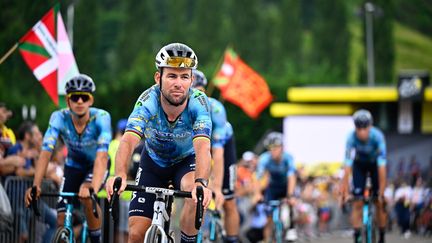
{"points": [[180, 62]]}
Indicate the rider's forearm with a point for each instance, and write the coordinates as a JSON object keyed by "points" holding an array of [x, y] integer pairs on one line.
{"points": [[124, 153], [346, 176], [41, 167], [203, 157], [291, 185], [382, 177], [99, 170], [218, 168]]}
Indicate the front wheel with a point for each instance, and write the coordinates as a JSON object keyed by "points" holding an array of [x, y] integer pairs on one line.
{"points": [[63, 235]]}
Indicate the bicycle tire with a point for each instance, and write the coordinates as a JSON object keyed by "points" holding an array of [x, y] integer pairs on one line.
{"points": [[154, 235], [62, 236]]}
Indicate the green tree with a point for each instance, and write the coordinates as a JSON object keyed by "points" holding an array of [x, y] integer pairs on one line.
{"points": [[210, 25], [384, 50], [291, 31], [331, 39]]}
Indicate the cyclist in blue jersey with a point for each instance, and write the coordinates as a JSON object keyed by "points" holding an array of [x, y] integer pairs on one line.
{"points": [[277, 168], [223, 152], [176, 124], [365, 153], [86, 131]]}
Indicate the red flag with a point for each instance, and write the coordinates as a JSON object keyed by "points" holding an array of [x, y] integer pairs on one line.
{"points": [[242, 86]]}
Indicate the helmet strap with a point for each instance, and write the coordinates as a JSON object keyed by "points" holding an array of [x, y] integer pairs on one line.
{"points": [[160, 78]]}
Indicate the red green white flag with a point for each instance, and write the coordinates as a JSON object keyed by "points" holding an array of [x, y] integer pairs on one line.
{"points": [[47, 51]]}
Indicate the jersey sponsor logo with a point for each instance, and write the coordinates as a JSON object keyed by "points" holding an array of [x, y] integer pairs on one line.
{"points": [[136, 211], [192, 167], [166, 136], [157, 190], [78, 145], [143, 97], [203, 102], [141, 200]]}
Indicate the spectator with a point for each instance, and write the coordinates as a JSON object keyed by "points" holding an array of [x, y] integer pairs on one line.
{"points": [[258, 221], [402, 198], [7, 139], [28, 148], [113, 146], [246, 185], [29, 137], [401, 168], [417, 203], [389, 194], [414, 170]]}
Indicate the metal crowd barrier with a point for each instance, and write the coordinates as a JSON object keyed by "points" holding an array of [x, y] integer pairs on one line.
{"points": [[25, 220]]}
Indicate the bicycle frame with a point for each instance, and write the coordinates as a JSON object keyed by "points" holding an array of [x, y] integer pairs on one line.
{"points": [[277, 223], [161, 208], [68, 219], [368, 212], [160, 217], [67, 225], [216, 230]]}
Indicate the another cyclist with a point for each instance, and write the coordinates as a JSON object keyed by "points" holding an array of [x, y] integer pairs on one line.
{"points": [[86, 131], [365, 153], [223, 151], [176, 124], [278, 168]]}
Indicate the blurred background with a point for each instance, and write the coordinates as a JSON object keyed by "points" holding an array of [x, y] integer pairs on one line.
{"points": [[322, 60], [291, 43]]}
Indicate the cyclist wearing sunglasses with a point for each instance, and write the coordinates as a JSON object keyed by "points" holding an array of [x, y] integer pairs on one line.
{"points": [[86, 131], [224, 161], [365, 153], [176, 124]]}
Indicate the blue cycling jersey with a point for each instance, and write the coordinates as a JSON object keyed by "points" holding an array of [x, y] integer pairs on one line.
{"points": [[168, 143], [372, 150], [82, 148], [279, 171], [222, 129]]}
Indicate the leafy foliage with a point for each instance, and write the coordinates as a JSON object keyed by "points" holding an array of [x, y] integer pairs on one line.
{"points": [[289, 42]]}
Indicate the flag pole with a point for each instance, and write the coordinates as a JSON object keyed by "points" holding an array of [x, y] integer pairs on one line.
{"points": [[5, 56], [211, 85]]}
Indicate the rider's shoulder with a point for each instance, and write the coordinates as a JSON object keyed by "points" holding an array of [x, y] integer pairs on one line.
{"points": [[198, 98], [60, 114], [148, 96], [99, 115], [376, 132]]}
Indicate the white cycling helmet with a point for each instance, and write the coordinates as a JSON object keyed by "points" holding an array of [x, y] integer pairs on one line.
{"points": [[200, 79], [362, 118], [176, 55], [80, 83], [273, 139]]}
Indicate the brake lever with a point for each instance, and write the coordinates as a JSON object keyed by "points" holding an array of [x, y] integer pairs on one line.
{"points": [[94, 203], [113, 208], [199, 208], [34, 206]]}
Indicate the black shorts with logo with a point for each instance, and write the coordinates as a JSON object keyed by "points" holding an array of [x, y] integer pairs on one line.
{"points": [[230, 169], [359, 174], [151, 174]]}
